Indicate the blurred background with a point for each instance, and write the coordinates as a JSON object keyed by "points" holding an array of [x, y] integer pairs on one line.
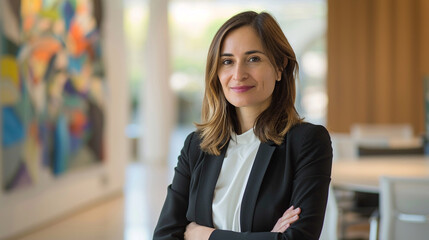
{"points": [[97, 97]]}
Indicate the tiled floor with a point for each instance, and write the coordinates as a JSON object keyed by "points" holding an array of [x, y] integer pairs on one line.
{"points": [[129, 216]]}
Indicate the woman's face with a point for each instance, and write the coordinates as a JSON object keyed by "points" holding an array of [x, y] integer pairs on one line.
{"points": [[245, 71]]}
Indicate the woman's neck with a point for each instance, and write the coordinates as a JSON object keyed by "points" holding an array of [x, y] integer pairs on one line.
{"points": [[247, 117]]}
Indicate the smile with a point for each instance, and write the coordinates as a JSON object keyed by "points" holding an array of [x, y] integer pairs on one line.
{"points": [[241, 89]]}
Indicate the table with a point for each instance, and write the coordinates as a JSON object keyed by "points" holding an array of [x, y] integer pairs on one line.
{"points": [[363, 174]]}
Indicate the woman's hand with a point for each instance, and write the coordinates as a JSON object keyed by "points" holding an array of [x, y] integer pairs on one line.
{"points": [[290, 216], [197, 232]]}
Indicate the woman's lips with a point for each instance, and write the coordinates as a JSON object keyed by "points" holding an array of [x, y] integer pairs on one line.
{"points": [[241, 89]]}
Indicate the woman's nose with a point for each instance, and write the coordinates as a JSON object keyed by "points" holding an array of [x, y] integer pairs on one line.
{"points": [[240, 72]]}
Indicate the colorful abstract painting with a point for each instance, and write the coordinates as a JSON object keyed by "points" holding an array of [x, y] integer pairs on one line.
{"points": [[52, 88]]}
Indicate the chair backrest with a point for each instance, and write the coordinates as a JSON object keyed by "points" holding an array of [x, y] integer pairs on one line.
{"points": [[330, 224], [343, 146], [404, 208], [380, 134]]}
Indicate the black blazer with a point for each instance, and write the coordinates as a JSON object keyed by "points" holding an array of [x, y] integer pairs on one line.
{"points": [[297, 173]]}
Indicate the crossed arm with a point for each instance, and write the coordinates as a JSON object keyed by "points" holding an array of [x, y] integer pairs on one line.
{"points": [[198, 232]]}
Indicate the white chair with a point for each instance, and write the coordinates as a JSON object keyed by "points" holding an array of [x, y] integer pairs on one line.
{"points": [[330, 224], [343, 146], [404, 208], [375, 140], [340, 201], [380, 134]]}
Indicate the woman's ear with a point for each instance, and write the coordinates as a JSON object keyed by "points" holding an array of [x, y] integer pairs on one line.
{"points": [[279, 74], [280, 70], [285, 63]]}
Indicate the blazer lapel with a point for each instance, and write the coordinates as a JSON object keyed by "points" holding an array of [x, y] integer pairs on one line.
{"points": [[210, 173], [254, 182]]}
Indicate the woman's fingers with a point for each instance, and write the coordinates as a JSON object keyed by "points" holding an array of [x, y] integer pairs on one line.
{"points": [[289, 220], [290, 212], [290, 209], [290, 216], [283, 229]]}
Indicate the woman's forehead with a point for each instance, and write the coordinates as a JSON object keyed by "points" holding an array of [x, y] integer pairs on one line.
{"points": [[241, 40]]}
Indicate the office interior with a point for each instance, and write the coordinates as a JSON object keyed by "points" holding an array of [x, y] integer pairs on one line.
{"points": [[98, 96]]}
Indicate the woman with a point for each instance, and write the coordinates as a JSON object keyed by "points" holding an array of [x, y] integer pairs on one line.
{"points": [[252, 158]]}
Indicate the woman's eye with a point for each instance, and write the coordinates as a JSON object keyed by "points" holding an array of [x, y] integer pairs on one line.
{"points": [[226, 62], [254, 59]]}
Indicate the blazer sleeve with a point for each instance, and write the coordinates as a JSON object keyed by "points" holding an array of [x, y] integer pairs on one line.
{"points": [[312, 175], [172, 221]]}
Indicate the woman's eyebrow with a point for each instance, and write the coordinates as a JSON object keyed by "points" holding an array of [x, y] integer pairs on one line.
{"points": [[246, 53], [253, 51]]}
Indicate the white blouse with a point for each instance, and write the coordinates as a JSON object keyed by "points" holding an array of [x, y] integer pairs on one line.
{"points": [[232, 180]]}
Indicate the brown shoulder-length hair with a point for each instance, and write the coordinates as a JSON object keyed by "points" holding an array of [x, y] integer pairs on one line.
{"points": [[219, 117]]}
